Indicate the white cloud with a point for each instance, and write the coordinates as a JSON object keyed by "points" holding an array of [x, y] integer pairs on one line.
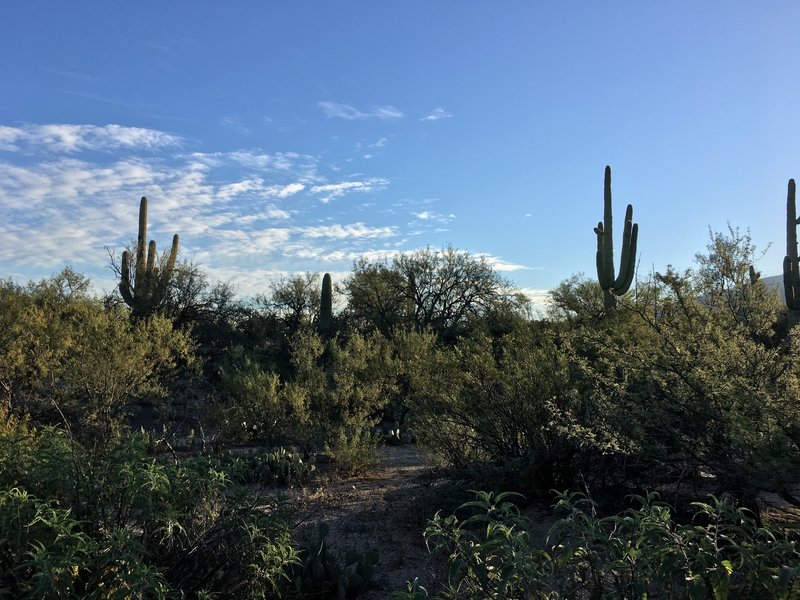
{"points": [[289, 190], [335, 190], [540, 299], [337, 110], [228, 191], [498, 264], [437, 114], [59, 137], [355, 230], [8, 137], [434, 217]]}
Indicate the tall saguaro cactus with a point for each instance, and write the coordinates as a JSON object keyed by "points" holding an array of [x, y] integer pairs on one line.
{"points": [[791, 263], [148, 287], [615, 286], [326, 305]]}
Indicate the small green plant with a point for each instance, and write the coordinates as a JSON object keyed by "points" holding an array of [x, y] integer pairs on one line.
{"points": [[267, 467], [320, 573]]}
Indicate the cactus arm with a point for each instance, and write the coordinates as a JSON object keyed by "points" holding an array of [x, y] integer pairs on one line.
{"points": [[125, 279], [628, 262], [163, 280], [755, 276], [600, 258]]}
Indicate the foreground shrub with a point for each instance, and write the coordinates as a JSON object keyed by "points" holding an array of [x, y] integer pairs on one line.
{"points": [[127, 525], [640, 553], [355, 452], [324, 574]]}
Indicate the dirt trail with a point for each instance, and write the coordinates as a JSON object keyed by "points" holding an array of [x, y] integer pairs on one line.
{"points": [[385, 510]]}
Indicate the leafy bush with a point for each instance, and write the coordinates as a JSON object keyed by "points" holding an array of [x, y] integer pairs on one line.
{"points": [[65, 357], [342, 383], [488, 404], [354, 453], [123, 524], [640, 553], [252, 403]]}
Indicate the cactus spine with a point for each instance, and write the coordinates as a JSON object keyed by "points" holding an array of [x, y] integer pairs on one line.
{"points": [[791, 272], [147, 289], [613, 287], [326, 305]]}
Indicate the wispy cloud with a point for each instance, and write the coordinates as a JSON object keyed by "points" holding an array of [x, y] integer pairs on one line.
{"points": [[256, 187], [432, 216], [498, 264], [236, 125], [437, 114], [243, 215], [355, 230], [337, 110], [67, 138], [335, 190], [72, 74]]}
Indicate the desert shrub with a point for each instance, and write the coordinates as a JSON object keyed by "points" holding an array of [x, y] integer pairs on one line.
{"points": [[696, 373], [65, 357], [252, 404], [122, 524], [342, 383], [354, 452], [639, 553], [508, 404]]}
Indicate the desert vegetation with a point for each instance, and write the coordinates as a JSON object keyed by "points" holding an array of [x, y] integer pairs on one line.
{"points": [[150, 440]]}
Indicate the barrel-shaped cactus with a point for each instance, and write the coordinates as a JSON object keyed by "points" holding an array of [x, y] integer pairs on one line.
{"points": [[146, 290], [615, 286]]}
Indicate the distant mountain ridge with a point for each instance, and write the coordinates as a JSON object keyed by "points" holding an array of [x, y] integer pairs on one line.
{"points": [[775, 281]]}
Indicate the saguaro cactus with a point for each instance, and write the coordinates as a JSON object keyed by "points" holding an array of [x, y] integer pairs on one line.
{"points": [[791, 272], [149, 286], [326, 305], [613, 287]]}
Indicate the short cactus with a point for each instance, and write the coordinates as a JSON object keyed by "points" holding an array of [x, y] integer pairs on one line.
{"points": [[613, 287], [145, 292]]}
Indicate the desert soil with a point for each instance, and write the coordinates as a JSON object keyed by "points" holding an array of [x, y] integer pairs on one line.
{"points": [[384, 510]]}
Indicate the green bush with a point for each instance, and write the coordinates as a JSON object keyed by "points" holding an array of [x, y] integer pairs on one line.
{"points": [[354, 453], [640, 553], [252, 404], [122, 524]]}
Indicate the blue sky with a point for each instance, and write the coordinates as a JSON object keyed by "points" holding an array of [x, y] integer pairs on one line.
{"points": [[279, 137]]}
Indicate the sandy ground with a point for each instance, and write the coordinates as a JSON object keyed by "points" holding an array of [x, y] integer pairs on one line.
{"points": [[385, 510]]}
